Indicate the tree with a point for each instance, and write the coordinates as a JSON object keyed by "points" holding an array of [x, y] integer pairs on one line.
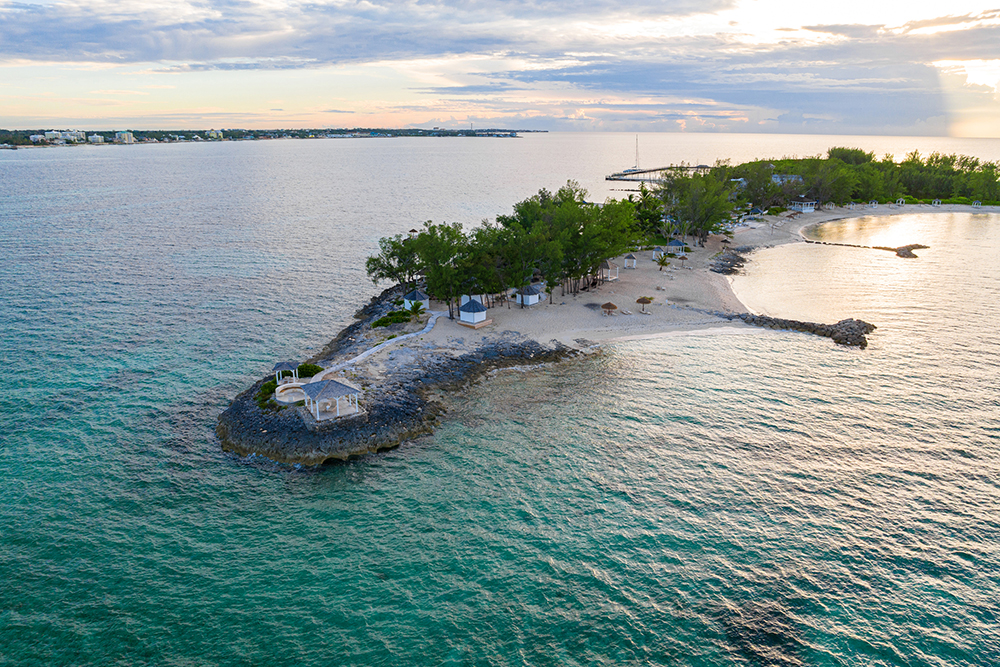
{"points": [[700, 203], [440, 249], [396, 261]]}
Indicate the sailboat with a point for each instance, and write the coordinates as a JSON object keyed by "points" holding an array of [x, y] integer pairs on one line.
{"points": [[636, 167]]}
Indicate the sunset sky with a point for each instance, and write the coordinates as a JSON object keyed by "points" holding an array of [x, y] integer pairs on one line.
{"points": [[846, 67]]}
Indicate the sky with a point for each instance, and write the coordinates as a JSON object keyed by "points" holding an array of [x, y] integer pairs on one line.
{"points": [[878, 67]]}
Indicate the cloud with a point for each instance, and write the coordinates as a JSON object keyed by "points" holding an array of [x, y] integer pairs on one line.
{"points": [[601, 63]]}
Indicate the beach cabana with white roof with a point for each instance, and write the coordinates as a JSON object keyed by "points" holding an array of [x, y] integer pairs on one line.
{"points": [[330, 392], [282, 366], [473, 314], [416, 296], [529, 295]]}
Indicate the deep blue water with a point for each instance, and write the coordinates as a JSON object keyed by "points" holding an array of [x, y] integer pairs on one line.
{"points": [[711, 499]]}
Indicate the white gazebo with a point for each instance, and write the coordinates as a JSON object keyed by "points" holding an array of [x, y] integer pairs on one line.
{"points": [[675, 245], [416, 296], [473, 314], [609, 271], [283, 366], [802, 204], [657, 253], [331, 392], [630, 261], [529, 295]]}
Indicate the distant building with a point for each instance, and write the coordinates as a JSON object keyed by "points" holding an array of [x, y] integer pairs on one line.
{"points": [[781, 179], [52, 136], [35, 138], [124, 138], [95, 139], [214, 134], [74, 135]]}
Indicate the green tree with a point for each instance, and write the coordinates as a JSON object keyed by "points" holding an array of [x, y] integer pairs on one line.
{"points": [[396, 261], [440, 249]]}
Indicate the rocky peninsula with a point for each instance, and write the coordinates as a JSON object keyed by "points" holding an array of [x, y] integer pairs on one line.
{"points": [[403, 369]]}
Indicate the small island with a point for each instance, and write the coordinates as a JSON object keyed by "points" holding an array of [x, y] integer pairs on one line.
{"points": [[555, 279]]}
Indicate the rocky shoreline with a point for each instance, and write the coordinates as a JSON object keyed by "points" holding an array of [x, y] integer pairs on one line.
{"points": [[402, 402], [396, 408]]}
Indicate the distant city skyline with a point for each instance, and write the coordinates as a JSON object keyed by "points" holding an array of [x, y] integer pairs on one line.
{"points": [[715, 65]]}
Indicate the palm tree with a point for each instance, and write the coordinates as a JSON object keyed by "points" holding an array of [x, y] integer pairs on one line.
{"points": [[663, 261], [416, 310]]}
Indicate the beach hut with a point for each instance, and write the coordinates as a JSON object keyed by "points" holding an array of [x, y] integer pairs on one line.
{"points": [[657, 253], [873, 204], [674, 244], [466, 298], [329, 393], [802, 204], [283, 366], [630, 261], [416, 296], [900, 201], [936, 202], [608, 271], [473, 314], [977, 204], [529, 295]]}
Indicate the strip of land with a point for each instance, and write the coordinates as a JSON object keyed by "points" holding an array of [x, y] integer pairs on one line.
{"points": [[402, 369]]}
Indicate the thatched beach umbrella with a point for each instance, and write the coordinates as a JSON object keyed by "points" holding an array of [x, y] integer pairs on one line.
{"points": [[644, 301], [609, 307]]}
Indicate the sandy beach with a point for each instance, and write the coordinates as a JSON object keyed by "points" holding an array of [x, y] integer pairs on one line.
{"points": [[686, 296]]}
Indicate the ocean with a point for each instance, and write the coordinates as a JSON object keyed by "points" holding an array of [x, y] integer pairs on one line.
{"points": [[723, 497]]}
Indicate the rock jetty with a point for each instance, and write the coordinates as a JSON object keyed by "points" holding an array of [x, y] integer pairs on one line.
{"points": [[850, 332]]}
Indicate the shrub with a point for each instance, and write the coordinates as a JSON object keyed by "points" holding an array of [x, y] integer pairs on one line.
{"points": [[394, 317], [265, 394], [309, 370]]}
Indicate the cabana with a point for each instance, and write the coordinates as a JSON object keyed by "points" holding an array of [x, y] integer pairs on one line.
{"points": [[802, 204], [529, 295], [977, 204], [606, 271], [466, 298], [900, 201], [936, 202], [283, 366], [630, 260], [673, 244], [657, 253], [473, 314], [416, 296], [330, 392], [873, 204]]}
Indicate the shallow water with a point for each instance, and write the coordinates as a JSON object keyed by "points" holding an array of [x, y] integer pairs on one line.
{"points": [[755, 499]]}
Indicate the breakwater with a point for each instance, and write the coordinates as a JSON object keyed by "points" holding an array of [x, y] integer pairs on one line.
{"points": [[849, 332]]}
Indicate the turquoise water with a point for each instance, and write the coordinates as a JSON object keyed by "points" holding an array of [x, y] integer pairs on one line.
{"points": [[756, 498]]}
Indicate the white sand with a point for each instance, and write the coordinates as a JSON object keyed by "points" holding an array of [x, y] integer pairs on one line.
{"points": [[683, 296]]}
